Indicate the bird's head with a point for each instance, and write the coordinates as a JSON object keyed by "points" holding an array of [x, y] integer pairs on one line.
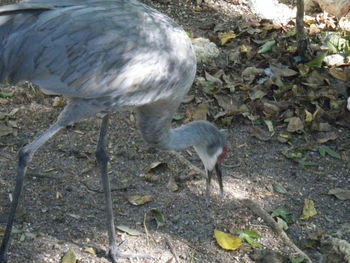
{"points": [[212, 151]]}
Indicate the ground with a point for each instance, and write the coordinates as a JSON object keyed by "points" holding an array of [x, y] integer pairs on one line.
{"points": [[62, 207]]}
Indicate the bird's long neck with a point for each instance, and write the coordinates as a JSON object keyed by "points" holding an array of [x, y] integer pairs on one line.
{"points": [[191, 134], [158, 132], [207, 140], [155, 124]]}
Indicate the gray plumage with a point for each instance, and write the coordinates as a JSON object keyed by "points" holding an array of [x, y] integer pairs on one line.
{"points": [[104, 56]]}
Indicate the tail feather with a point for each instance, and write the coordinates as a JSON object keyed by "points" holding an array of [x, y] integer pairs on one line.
{"points": [[12, 18], [15, 8], [29, 5]]}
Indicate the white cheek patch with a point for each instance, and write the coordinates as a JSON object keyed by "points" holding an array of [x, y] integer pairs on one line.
{"points": [[348, 106], [209, 162]]}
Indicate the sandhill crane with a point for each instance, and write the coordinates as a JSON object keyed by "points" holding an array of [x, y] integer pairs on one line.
{"points": [[104, 56]]}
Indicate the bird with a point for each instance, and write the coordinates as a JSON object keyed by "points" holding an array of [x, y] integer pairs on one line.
{"points": [[105, 56]]}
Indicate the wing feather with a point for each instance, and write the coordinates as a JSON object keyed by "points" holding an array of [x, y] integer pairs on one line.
{"points": [[91, 48]]}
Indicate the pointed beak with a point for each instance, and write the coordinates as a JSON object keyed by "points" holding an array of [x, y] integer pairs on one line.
{"points": [[219, 177]]}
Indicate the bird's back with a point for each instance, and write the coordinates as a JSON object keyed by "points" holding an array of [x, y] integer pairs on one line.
{"points": [[121, 50]]}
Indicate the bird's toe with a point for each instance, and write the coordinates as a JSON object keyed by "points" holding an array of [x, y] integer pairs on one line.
{"points": [[114, 253]]}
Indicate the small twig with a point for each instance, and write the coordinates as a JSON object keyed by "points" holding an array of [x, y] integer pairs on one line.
{"points": [[148, 235], [39, 175], [145, 227], [172, 250], [275, 227], [86, 170], [232, 165], [124, 188], [257, 226]]}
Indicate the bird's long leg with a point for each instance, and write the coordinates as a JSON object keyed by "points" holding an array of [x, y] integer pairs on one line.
{"points": [[219, 176], [74, 111], [102, 159], [208, 182], [24, 157]]}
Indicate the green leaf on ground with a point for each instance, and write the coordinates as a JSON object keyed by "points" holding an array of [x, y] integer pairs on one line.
{"points": [[131, 232], [283, 213], [158, 216], [249, 236], [267, 46], [317, 61], [6, 95], [283, 224], [323, 150], [69, 257], [178, 117], [278, 188], [304, 162], [338, 44], [296, 260], [269, 125]]}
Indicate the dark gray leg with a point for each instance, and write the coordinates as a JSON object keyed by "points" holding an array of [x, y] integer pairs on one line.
{"points": [[219, 177], [24, 157], [74, 111], [102, 159], [208, 182]]}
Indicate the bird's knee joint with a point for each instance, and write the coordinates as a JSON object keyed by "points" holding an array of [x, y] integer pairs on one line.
{"points": [[101, 154], [24, 155]]}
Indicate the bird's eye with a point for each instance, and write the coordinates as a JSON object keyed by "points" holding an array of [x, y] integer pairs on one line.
{"points": [[222, 155]]}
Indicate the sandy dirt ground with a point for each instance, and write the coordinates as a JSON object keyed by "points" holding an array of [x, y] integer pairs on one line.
{"points": [[62, 206]]}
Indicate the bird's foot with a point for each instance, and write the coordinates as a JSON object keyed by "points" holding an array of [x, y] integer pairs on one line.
{"points": [[114, 253]]}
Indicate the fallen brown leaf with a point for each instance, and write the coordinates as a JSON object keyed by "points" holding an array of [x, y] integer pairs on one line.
{"points": [[261, 134], [295, 124], [200, 113], [340, 193]]}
